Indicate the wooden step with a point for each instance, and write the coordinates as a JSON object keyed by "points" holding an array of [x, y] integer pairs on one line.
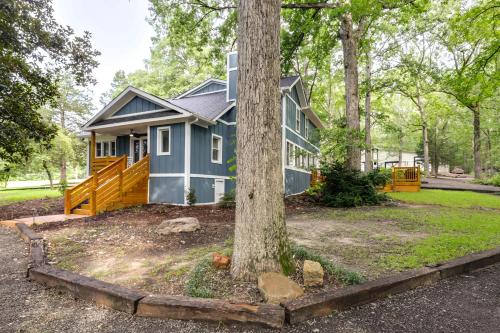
{"points": [[81, 211], [85, 206]]}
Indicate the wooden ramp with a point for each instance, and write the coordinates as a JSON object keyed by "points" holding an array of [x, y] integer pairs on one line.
{"points": [[112, 187]]}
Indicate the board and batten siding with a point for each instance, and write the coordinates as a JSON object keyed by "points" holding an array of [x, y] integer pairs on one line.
{"points": [[211, 87], [166, 190], [201, 139], [123, 145], [296, 181], [137, 105], [293, 137], [204, 189], [173, 163]]}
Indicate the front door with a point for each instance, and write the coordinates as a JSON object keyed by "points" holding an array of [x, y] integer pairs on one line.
{"points": [[139, 148], [219, 189]]}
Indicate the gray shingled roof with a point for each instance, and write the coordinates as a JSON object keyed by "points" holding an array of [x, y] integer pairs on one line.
{"points": [[213, 104], [286, 82], [208, 106]]}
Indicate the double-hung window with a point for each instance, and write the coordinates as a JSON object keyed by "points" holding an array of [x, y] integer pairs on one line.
{"points": [[290, 154], [163, 141], [306, 129], [216, 149], [297, 119], [105, 148]]}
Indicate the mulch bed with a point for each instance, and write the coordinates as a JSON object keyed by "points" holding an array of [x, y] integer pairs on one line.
{"points": [[28, 208]]}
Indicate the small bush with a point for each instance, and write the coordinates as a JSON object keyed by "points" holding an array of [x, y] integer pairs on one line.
{"points": [[343, 187], [494, 180], [63, 186], [198, 285], [191, 197], [228, 200], [341, 274]]}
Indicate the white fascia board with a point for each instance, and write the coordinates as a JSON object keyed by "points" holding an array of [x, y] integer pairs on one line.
{"points": [[150, 122]]}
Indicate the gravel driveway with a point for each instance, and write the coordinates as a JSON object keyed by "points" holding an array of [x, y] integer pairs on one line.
{"points": [[469, 303]]}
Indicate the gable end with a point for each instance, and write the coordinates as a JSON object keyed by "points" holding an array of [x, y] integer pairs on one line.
{"points": [[137, 105]]}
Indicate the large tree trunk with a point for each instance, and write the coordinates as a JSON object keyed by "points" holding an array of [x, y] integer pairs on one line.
{"points": [[425, 134], [368, 120], [49, 174], [261, 242], [477, 142], [63, 166], [350, 50]]}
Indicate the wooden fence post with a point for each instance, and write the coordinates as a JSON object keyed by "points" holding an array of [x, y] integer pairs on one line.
{"points": [[67, 202]]}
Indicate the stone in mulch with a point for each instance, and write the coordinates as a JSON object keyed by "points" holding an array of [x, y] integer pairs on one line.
{"points": [[181, 224], [313, 274], [276, 288], [220, 261]]}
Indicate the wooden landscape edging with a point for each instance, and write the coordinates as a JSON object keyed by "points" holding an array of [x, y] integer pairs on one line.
{"points": [[190, 308], [322, 304]]}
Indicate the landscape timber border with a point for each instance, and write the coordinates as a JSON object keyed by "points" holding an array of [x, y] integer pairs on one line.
{"points": [[269, 315]]}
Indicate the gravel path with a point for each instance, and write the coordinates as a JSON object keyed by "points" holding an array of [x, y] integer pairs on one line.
{"points": [[461, 184], [469, 303]]}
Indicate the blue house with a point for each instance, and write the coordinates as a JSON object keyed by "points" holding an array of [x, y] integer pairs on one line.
{"points": [[190, 139]]}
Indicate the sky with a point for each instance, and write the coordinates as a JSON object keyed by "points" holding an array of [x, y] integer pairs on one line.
{"points": [[119, 31]]}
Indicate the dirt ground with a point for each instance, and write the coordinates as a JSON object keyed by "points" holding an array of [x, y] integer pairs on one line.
{"points": [[123, 247], [466, 303], [28, 208]]}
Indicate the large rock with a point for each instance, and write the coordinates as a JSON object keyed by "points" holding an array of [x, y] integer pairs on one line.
{"points": [[313, 274], [181, 224], [277, 288], [220, 260]]}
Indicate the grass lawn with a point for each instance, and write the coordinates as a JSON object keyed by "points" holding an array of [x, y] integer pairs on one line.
{"points": [[380, 240], [10, 196], [459, 199]]}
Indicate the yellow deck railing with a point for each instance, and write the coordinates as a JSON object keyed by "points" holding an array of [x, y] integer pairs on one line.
{"points": [[406, 179], [114, 185]]}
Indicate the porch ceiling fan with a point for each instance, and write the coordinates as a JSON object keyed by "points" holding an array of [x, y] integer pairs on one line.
{"points": [[134, 135]]}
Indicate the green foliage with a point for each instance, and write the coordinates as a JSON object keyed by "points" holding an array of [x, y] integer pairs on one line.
{"points": [[494, 180], [343, 187], [198, 282], [228, 200], [63, 185], [35, 50], [191, 197], [341, 274]]}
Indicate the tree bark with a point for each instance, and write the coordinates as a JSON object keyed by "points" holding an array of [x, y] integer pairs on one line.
{"points": [[368, 120], [49, 174], [425, 134], [350, 50], [261, 241], [477, 141]]}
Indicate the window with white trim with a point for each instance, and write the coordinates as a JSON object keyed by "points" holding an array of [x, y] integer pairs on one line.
{"points": [[297, 119], [306, 126], [163, 141], [105, 148], [290, 154], [216, 149]]}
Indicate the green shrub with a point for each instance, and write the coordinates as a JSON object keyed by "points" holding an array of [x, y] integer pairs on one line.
{"points": [[198, 284], [63, 186], [228, 200], [494, 180], [191, 197], [343, 187], [341, 274]]}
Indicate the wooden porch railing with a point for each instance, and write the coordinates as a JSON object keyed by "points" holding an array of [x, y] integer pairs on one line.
{"points": [[406, 179], [100, 163], [107, 187]]}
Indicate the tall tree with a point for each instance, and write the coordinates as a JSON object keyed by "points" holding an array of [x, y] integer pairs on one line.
{"points": [[34, 48], [261, 241], [470, 40]]}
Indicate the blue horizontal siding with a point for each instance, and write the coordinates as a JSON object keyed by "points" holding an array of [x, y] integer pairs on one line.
{"points": [[201, 138], [296, 181], [173, 163], [166, 190], [137, 105]]}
